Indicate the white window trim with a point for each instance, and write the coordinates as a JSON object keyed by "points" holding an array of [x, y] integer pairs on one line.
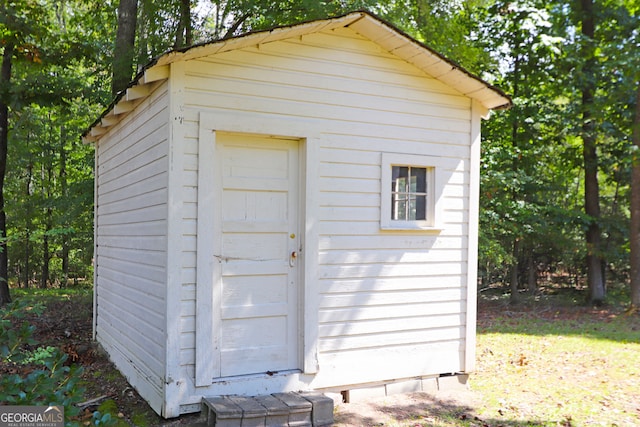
{"points": [[435, 185]]}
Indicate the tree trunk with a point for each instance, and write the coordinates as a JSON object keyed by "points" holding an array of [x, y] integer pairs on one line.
{"points": [[515, 295], [634, 235], [47, 184], [515, 165], [5, 77], [65, 194], [124, 47], [183, 34], [46, 258], [532, 274], [29, 219], [595, 276]]}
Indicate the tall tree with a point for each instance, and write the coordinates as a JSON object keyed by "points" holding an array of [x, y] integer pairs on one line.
{"points": [[5, 82], [634, 238], [124, 52], [450, 27], [594, 259], [184, 33]]}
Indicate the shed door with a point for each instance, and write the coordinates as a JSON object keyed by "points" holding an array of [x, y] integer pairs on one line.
{"points": [[259, 255]]}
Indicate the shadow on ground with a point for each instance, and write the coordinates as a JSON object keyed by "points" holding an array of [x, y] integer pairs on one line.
{"points": [[447, 409]]}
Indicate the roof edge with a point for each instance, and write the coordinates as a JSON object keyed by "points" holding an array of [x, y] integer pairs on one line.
{"points": [[452, 63]]}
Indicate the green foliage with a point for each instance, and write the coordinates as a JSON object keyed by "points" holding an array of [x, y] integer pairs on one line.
{"points": [[39, 356], [450, 27], [14, 333], [225, 18], [106, 415], [51, 188], [52, 96], [99, 419], [34, 377], [533, 172]]}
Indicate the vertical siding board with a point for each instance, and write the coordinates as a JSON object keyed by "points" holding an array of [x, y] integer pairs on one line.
{"points": [[94, 324], [172, 375], [477, 112], [311, 292], [206, 345]]}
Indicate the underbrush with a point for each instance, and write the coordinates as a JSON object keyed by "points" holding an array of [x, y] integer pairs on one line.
{"points": [[33, 374], [60, 324], [45, 337]]}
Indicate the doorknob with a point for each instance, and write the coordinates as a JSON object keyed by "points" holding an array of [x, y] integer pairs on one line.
{"points": [[292, 258]]}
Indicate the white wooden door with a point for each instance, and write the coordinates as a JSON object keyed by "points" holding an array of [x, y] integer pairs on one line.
{"points": [[259, 255]]}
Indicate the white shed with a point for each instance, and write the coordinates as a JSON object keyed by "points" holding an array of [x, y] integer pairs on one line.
{"points": [[293, 209]]}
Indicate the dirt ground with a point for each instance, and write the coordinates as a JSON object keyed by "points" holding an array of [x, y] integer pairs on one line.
{"points": [[421, 408], [418, 407]]}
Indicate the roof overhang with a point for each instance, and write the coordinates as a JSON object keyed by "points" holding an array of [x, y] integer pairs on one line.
{"points": [[364, 23]]}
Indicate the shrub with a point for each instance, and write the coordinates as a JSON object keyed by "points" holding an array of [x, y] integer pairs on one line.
{"points": [[31, 374]]}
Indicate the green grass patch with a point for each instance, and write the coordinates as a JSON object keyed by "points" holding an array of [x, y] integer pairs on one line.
{"points": [[51, 294], [570, 369]]}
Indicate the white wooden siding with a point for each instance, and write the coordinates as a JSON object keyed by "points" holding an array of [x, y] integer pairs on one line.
{"points": [[401, 294], [131, 227]]}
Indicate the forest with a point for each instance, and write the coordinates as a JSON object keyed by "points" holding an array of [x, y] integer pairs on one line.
{"points": [[560, 174]]}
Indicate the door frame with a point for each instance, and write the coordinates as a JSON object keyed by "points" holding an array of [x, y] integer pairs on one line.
{"points": [[208, 278]]}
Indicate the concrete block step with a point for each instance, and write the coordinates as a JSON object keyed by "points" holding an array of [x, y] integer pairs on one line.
{"points": [[305, 409]]}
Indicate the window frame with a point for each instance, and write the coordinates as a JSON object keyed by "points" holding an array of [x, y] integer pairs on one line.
{"points": [[434, 191]]}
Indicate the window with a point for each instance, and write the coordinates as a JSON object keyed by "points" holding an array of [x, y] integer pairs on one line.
{"points": [[409, 192]]}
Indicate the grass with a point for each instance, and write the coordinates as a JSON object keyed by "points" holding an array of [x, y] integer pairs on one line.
{"points": [[53, 295], [551, 362], [556, 372]]}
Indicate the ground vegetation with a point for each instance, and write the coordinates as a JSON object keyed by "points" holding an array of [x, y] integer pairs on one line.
{"points": [[549, 361]]}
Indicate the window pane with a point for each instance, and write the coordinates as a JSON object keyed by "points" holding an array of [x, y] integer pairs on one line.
{"points": [[420, 208], [417, 211], [418, 180], [399, 178], [398, 207], [411, 215]]}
